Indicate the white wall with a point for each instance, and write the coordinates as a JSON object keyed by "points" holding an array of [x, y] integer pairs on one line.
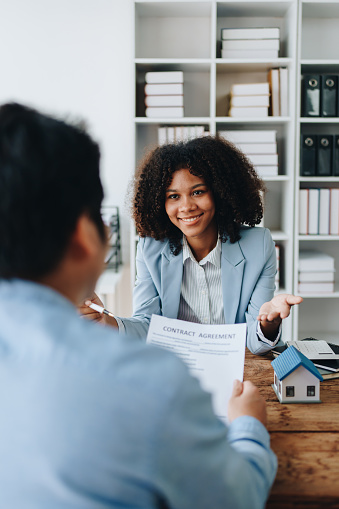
{"points": [[74, 58]]}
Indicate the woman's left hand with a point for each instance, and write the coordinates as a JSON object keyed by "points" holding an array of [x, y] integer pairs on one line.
{"points": [[278, 308]]}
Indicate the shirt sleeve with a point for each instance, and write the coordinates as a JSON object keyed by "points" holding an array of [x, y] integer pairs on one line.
{"points": [[263, 292], [146, 300], [264, 339], [122, 328], [199, 462]]}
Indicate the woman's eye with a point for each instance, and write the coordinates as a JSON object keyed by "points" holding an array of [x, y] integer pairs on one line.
{"points": [[196, 193], [172, 196]]}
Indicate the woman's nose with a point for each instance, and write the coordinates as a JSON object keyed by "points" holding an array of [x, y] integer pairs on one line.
{"points": [[187, 203]]}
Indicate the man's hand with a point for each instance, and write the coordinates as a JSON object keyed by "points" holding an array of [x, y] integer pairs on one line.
{"points": [[246, 400]]}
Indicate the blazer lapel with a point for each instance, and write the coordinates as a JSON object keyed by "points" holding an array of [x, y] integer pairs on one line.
{"points": [[232, 268], [171, 277]]}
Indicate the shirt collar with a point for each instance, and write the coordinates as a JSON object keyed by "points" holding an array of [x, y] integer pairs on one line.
{"points": [[213, 256], [31, 291]]}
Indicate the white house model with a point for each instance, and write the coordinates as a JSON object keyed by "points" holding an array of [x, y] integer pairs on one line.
{"points": [[296, 379]]}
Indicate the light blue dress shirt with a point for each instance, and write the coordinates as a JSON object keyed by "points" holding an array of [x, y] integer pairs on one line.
{"points": [[90, 419]]}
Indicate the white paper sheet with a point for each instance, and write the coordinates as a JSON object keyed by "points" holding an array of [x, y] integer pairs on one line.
{"points": [[214, 354]]}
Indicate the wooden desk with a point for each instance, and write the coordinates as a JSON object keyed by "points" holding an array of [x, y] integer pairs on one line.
{"points": [[305, 438]]}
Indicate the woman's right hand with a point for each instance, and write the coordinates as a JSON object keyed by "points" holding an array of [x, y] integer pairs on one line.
{"points": [[89, 313]]}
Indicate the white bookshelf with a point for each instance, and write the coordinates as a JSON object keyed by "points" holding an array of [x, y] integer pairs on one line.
{"points": [[185, 35], [318, 23]]}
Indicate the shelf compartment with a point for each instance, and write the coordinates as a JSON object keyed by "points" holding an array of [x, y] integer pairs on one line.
{"points": [[324, 244], [147, 133], [226, 77], [278, 215], [197, 79], [173, 29], [319, 30], [309, 323], [284, 264], [281, 14], [228, 74], [284, 139]]}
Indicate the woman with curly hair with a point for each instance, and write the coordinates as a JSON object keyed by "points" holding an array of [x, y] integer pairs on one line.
{"points": [[199, 257]]}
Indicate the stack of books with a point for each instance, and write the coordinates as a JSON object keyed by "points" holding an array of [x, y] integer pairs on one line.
{"points": [[164, 94], [278, 80], [173, 134], [260, 146], [249, 100], [250, 42], [316, 272], [319, 211]]}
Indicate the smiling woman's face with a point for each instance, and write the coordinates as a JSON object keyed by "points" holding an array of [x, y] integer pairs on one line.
{"points": [[190, 206]]}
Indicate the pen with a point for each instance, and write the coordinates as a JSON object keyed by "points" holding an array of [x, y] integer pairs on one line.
{"points": [[100, 309]]}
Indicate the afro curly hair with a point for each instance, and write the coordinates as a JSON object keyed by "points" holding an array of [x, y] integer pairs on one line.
{"points": [[236, 188]]}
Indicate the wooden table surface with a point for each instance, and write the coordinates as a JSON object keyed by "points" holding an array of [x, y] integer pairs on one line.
{"points": [[305, 438]]}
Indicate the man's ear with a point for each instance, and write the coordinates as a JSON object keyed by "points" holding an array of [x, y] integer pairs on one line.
{"points": [[84, 239]]}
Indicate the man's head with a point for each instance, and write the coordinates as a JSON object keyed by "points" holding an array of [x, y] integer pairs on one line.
{"points": [[50, 196]]}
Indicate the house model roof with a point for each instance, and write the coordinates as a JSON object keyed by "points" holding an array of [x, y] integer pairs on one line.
{"points": [[290, 360]]}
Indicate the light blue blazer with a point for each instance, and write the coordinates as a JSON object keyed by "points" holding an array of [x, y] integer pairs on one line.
{"points": [[248, 270]]}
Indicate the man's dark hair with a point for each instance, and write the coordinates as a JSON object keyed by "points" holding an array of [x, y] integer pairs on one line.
{"points": [[227, 172], [49, 176]]}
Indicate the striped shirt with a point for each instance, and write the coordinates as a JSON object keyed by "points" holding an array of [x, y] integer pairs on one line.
{"points": [[201, 298], [201, 293]]}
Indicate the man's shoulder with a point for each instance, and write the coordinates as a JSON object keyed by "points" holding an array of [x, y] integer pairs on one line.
{"points": [[108, 351], [52, 336]]}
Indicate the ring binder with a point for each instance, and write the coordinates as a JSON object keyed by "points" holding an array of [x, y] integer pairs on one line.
{"points": [[324, 155], [308, 155], [311, 95], [329, 85], [336, 156]]}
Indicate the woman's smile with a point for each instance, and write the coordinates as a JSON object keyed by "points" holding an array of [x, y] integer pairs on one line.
{"points": [[190, 207], [190, 219]]}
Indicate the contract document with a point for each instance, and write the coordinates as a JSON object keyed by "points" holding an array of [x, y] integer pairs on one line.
{"points": [[214, 354]]}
